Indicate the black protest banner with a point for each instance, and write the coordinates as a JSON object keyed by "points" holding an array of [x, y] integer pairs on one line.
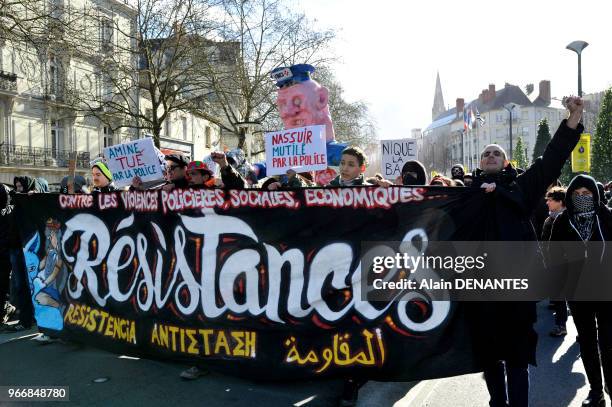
{"points": [[258, 283]]}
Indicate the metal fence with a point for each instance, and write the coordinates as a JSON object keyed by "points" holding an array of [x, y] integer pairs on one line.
{"points": [[13, 155]]}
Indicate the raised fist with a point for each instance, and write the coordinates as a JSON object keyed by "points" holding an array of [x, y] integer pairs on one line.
{"points": [[575, 106], [219, 158]]}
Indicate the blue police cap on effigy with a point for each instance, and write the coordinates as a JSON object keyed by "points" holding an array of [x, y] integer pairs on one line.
{"points": [[290, 75]]}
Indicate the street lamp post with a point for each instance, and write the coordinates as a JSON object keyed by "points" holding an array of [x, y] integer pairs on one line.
{"points": [[578, 47], [509, 107]]}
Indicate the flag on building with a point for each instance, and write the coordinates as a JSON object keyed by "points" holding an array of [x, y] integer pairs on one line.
{"points": [[472, 118], [466, 119]]}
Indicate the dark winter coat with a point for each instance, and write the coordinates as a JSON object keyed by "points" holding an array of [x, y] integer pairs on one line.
{"points": [[576, 262], [504, 331], [180, 183], [5, 213], [539, 216], [517, 196], [232, 179], [356, 182], [547, 228]]}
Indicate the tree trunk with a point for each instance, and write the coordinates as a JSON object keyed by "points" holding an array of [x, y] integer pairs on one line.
{"points": [[156, 135], [241, 138]]}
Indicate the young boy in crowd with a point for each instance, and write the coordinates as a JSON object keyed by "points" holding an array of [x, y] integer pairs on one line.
{"points": [[352, 167]]}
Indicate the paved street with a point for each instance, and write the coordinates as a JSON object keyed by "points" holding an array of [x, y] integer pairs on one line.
{"points": [[558, 381]]}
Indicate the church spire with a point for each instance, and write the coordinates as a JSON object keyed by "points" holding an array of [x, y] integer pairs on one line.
{"points": [[438, 104]]}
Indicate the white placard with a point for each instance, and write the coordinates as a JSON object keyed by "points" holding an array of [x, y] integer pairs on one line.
{"points": [[301, 149], [135, 158], [394, 155]]}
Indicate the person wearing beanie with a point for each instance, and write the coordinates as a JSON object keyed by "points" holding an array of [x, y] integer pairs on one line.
{"points": [[102, 178], [586, 219], [199, 175]]}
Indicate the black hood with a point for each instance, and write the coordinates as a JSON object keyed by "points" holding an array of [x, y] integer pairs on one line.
{"points": [[602, 194], [418, 168], [581, 181], [28, 183]]}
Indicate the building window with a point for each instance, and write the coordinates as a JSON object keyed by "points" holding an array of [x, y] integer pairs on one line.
{"points": [[53, 75], [525, 115], [108, 137], [184, 123], [525, 132], [168, 126], [57, 133], [499, 117], [208, 137], [106, 33]]}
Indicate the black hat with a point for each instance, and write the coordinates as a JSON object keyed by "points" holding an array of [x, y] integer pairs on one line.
{"points": [[178, 159]]}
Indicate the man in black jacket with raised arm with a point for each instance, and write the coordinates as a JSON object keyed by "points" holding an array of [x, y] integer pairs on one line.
{"points": [[506, 339]]}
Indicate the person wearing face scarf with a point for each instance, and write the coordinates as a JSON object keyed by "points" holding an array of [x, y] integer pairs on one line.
{"points": [[587, 220], [413, 173]]}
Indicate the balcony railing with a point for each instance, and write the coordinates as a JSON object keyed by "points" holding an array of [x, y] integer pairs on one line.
{"points": [[12, 155], [8, 81]]}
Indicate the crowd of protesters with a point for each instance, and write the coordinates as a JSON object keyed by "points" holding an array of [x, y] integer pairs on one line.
{"points": [[525, 205]]}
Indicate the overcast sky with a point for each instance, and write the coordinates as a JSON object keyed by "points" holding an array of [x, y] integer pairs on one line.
{"points": [[390, 50]]}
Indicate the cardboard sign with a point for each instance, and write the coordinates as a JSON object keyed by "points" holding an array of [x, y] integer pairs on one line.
{"points": [[132, 159], [301, 149], [395, 153], [581, 155]]}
